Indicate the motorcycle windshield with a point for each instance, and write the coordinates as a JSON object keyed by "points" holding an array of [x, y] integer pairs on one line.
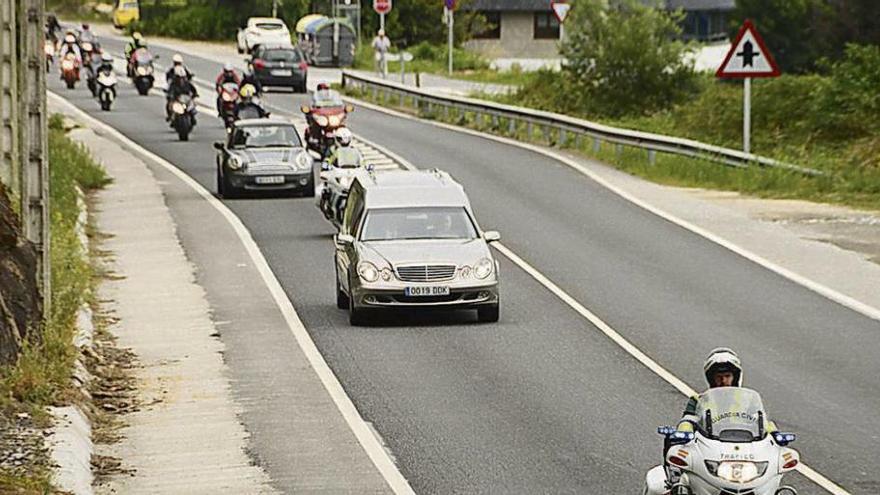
{"points": [[142, 56], [326, 98], [731, 414]]}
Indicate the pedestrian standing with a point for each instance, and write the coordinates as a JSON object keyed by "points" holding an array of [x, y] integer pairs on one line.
{"points": [[381, 44]]}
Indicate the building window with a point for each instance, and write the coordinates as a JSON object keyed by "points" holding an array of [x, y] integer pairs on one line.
{"points": [[546, 26], [493, 26]]}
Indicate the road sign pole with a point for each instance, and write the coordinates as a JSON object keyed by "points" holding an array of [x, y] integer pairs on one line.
{"points": [[382, 22], [451, 24], [561, 32], [747, 114]]}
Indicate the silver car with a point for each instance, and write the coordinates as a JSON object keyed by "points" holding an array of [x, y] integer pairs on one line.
{"points": [[408, 239]]}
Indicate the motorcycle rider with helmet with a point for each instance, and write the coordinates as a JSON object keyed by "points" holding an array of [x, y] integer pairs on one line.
{"points": [[70, 45], [179, 85], [177, 61], [344, 154], [227, 75], [249, 101], [251, 78], [722, 369], [137, 41]]}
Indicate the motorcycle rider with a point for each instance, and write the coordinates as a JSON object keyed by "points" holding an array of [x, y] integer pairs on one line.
{"points": [[344, 155], [70, 45], [86, 35], [106, 65], [179, 85], [251, 78], [249, 100], [227, 75], [722, 369], [137, 41], [53, 27], [177, 61]]}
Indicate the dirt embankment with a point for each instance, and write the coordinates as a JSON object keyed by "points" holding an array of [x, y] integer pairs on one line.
{"points": [[20, 304]]}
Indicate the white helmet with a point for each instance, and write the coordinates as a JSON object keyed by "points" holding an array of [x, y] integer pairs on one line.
{"points": [[343, 137], [70, 38], [227, 67], [106, 57], [177, 59], [723, 359]]}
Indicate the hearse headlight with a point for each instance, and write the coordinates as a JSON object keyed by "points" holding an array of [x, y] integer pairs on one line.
{"points": [[483, 268]]}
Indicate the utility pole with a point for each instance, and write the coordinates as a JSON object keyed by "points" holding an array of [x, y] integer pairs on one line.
{"points": [[9, 164], [34, 140]]}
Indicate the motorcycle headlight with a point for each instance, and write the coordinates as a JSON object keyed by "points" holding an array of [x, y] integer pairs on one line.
{"points": [[67, 64], [235, 162], [335, 120], [368, 271], [483, 268], [737, 471], [226, 97], [178, 107], [87, 47], [142, 71], [322, 120]]}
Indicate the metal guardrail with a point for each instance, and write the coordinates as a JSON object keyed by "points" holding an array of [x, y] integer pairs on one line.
{"points": [[562, 127]]}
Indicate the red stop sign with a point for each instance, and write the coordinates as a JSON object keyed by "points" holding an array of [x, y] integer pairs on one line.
{"points": [[382, 6]]}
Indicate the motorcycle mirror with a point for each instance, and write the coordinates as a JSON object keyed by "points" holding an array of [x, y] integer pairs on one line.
{"points": [[218, 145], [344, 240], [325, 166], [305, 109], [349, 108]]}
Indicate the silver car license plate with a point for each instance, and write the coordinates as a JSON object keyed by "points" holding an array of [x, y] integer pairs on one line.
{"points": [[282, 72], [426, 291], [271, 179]]}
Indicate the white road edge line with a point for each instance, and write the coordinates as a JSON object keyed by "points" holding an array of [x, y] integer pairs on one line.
{"points": [[359, 427], [612, 334]]}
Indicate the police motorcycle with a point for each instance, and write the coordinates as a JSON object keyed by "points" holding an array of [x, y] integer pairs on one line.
{"points": [[105, 82], [337, 175], [730, 452], [183, 111]]}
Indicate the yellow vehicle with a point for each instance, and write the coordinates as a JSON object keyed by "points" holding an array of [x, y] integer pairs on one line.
{"points": [[126, 12]]}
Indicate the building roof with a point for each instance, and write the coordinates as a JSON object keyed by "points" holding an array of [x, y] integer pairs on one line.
{"points": [[542, 5]]}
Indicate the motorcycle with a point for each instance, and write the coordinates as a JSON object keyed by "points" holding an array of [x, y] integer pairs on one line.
{"points": [[336, 180], [140, 70], [251, 109], [228, 95], [730, 451], [183, 111], [323, 122], [106, 87], [49, 50], [70, 70]]}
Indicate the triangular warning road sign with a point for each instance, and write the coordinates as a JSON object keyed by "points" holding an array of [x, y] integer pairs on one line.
{"points": [[561, 10], [748, 56]]}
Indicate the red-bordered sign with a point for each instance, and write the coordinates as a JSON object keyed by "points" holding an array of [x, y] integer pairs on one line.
{"points": [[748, 56], [561, 9], [382, 6]]}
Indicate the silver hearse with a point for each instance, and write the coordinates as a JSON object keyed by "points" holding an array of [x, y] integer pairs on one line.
{"points": [[409, 239]]}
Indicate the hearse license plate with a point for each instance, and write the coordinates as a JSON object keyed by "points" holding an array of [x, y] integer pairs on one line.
{"points": [[272, 179], [426, 291], [282, 72]]}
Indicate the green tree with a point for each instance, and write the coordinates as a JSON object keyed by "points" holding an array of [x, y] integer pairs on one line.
{"points": [[625, 57], [411, 22]]}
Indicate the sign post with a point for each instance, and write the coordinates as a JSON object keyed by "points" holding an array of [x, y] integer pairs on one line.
{"points": [[748, 57], [449, 10], [560, 9], [382, 7]]}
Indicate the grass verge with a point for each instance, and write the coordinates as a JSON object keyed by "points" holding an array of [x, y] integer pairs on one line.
{"points": [[42, 375], [856, 187]]}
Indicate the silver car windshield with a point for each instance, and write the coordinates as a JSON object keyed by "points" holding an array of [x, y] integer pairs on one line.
{"points": [[390, 224], [265, 136], [733, 412]]}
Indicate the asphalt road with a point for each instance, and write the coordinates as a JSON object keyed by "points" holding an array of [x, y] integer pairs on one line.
{"points": [[542, 402]]}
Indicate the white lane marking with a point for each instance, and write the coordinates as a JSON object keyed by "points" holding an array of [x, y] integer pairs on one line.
{"points": [[359, 427], [626, 345], [821, 289]]}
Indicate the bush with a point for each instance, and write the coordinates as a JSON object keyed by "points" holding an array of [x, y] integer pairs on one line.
{"points": [[847, 104], [191, 22]]}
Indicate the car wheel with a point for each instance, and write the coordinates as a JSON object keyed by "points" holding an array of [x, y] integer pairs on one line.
{"points": [[341, 298], [229, 191], [356, 315], [220, 191], [488, 314]]}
